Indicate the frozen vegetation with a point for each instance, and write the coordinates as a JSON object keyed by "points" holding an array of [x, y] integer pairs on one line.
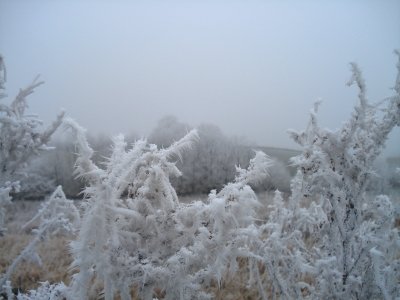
{"points": [[331, 238], [208, 165]]}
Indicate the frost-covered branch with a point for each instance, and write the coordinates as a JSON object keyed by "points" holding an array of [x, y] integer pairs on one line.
{"points": [[56, 215], [20, 138], [347, 227]]}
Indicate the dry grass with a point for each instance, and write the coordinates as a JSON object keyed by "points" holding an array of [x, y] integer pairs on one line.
{"points": [[54, 254], [27, 276]]}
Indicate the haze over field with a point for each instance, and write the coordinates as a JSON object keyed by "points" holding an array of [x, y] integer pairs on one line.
{"points": [[251, 68]]}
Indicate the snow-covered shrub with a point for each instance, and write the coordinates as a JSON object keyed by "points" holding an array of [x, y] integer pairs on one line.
{"points": [[53, 168], [39, 181], [148, 238], [20, 138], [210, 165], [352, 249]]}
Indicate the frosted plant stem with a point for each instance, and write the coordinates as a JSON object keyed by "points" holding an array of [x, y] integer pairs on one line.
{"points": [[259, 283], [29, 250]]}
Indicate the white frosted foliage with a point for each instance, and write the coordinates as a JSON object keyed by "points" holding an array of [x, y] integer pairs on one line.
{"points": [[20, 138], [148, 238], [355, 251]]}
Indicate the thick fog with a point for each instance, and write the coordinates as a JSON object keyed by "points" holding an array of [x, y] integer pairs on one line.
{"points": [[252, 68]]}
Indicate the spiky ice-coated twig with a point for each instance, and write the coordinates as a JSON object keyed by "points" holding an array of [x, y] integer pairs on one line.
{"points": [[57, 215], [20, 138]]}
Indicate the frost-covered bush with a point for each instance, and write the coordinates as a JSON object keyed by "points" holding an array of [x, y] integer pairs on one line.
{"points": [[53, 168], [344, 240], [211, 164], [20, 138], [148, 238], [39, 181]]}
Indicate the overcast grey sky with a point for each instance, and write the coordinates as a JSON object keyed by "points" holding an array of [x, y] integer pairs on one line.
{"points": [[253, 68]]}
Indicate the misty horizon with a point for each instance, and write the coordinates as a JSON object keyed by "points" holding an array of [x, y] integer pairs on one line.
{"points": [[253, 69]]}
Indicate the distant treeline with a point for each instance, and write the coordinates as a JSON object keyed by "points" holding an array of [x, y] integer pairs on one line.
{"points": [[209, 165]]}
